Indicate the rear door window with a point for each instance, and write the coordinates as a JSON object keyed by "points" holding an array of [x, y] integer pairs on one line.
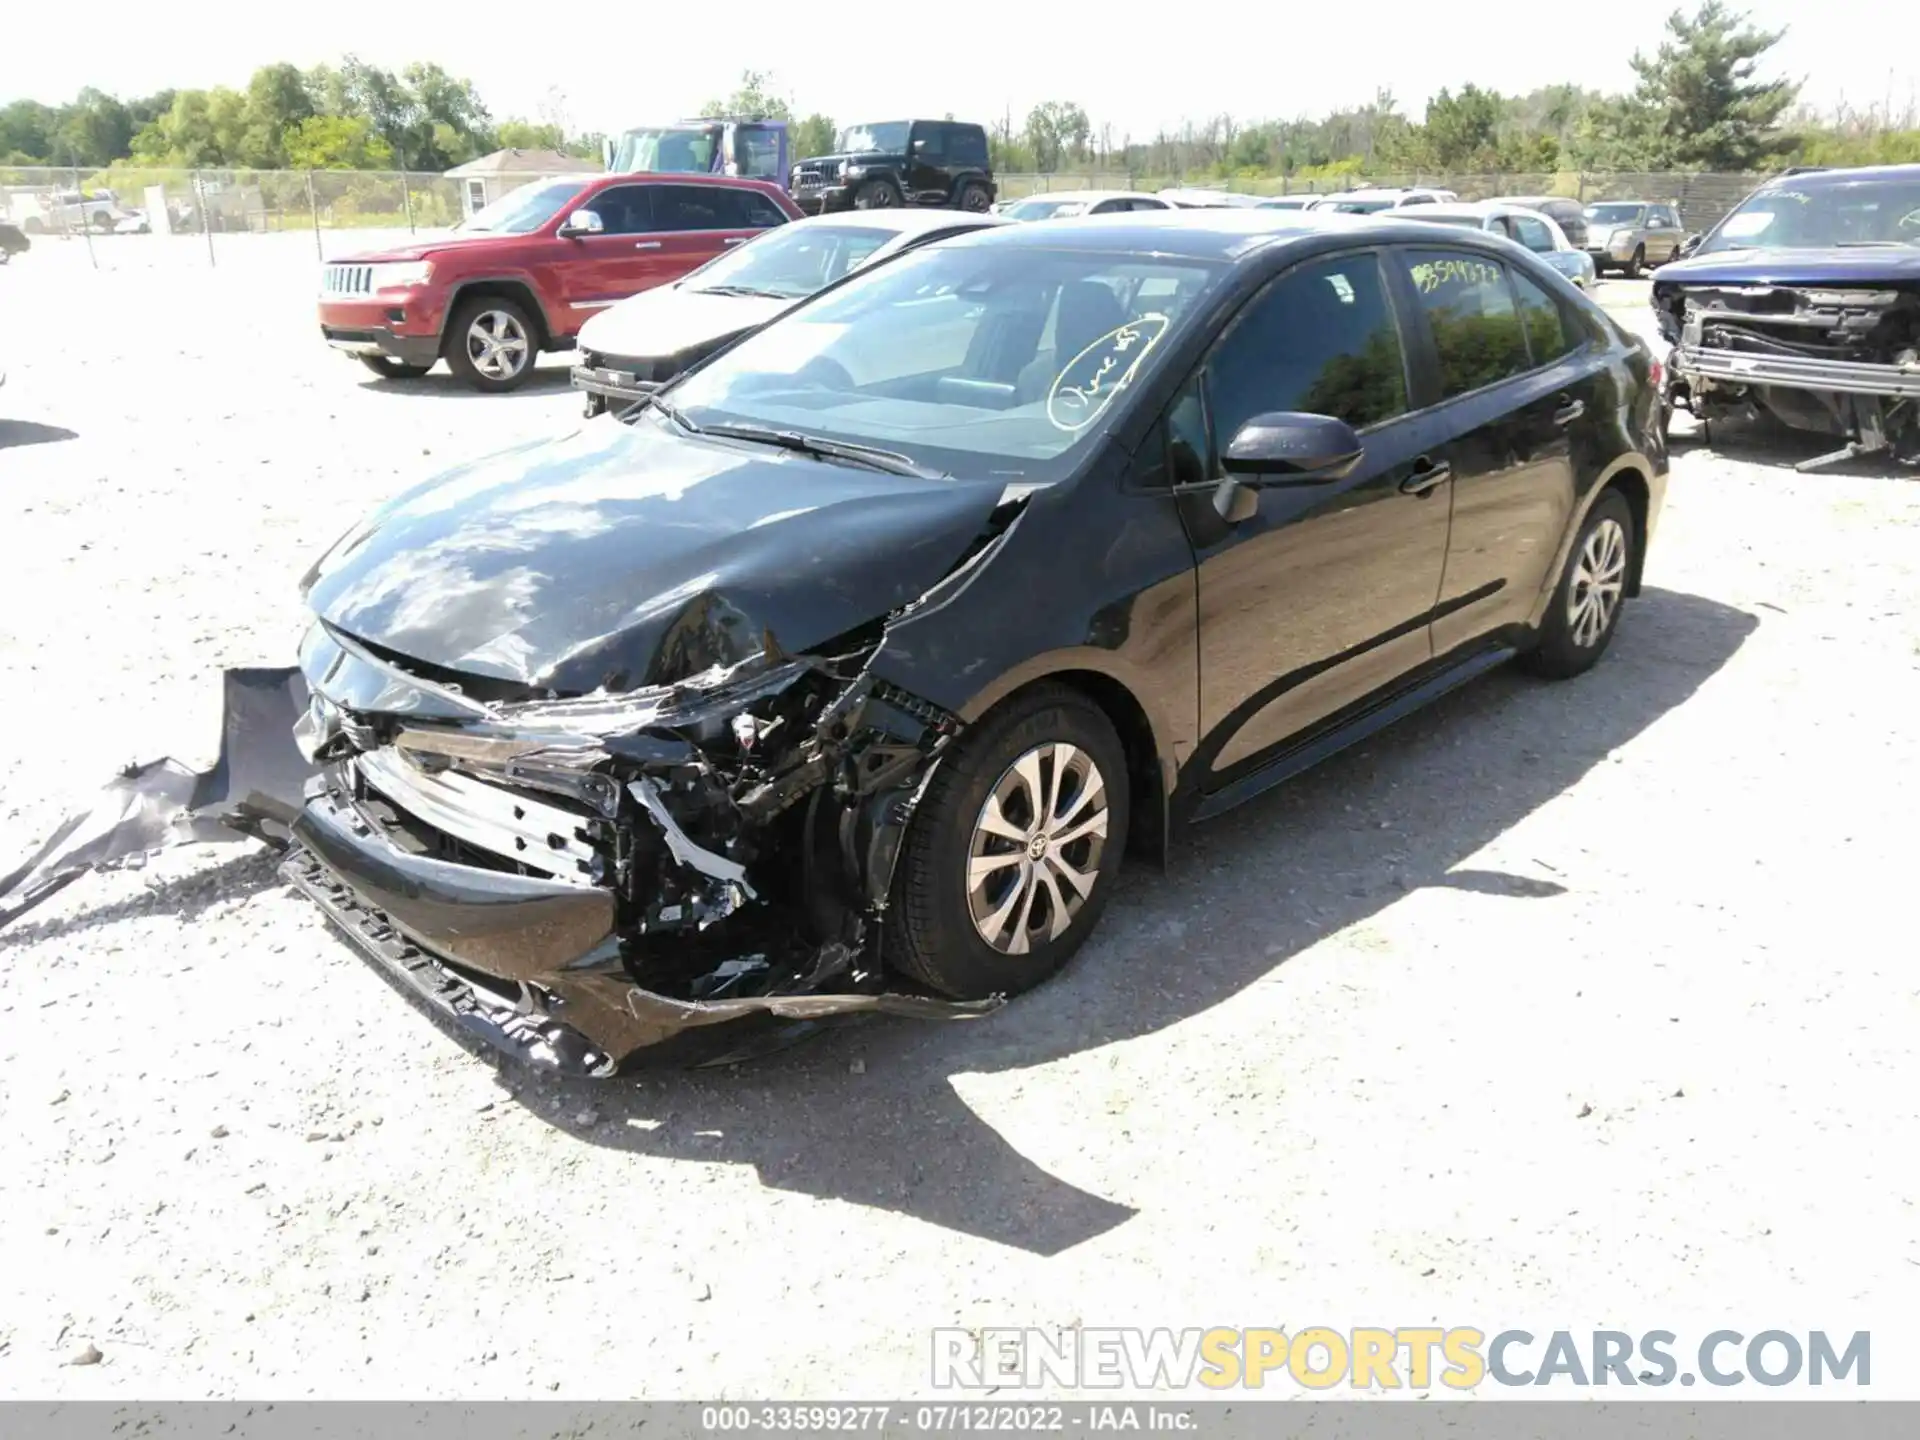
{"points": [[699, 207], [1549, 334], [1532, 233], [1469, 307]]}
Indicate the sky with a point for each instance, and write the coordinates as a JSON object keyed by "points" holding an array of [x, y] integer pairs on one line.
{"points": [[1134, 67]]}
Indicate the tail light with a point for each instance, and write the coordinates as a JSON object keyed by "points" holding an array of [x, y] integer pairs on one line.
{"points": [[1657, 373]]}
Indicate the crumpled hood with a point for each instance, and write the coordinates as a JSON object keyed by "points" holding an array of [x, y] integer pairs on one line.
{"points": [[1848, 265], [657, 324], [628, 555]]}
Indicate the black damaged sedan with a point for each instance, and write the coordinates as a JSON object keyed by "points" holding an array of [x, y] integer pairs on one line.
{"points": [[839, 676]]}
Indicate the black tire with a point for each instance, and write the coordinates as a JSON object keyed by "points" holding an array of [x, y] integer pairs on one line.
{"points": [[458, 345], [932, 934], [1563, 650], [974, 198], [596, 405], [35, 225], [1632, 271], [388, 368], [878, 195]]}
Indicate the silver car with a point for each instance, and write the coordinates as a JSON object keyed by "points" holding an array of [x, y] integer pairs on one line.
{"points": [[1537, 232], [1628, 235]]}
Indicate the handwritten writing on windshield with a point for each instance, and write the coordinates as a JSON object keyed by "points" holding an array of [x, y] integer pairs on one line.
{"points": [[1091, 379]]}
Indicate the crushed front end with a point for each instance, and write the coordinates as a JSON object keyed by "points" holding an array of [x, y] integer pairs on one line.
{"points": [[1831, 359], [575, 879]]}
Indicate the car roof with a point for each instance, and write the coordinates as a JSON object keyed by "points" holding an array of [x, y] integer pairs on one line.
{"points": [[1213, 234], [899, 222], [1085, 195], [672, 177], [1822, 179]]}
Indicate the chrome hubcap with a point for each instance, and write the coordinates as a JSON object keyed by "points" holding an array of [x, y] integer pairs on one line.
{"points": [[1598, 578], [497, 345], [1035, 853]]}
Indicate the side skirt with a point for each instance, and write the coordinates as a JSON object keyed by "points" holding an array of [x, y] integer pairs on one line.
{"points": [[1392, 705]]}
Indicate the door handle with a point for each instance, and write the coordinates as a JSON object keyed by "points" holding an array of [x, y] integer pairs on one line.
{"points": [[1569, 412], [646, 245], [1426, 475]]}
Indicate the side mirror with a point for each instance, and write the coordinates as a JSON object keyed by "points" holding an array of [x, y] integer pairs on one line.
{"points": [[1690, 244], [583, 222], [1286, 447]]}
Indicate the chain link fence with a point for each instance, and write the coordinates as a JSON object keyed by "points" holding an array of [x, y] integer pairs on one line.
{"points": [[106, 210]]}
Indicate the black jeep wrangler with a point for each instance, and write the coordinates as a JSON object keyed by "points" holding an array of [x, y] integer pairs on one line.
{"points": [[938, 163]]}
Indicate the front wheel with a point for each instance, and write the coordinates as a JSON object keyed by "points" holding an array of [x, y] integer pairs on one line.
{"points": [[388, 368], [490, 343], [877, 195], [1585, 610], [1015, 848], [1634, 265]]}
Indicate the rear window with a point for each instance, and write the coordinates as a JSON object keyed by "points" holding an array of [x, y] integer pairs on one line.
{"points": [[967, 145]]}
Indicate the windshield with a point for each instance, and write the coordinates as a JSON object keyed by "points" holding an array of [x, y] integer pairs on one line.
{"points": [[1857, 212], [1616, 214], [791, 262], [522, 211], [1042, 209], [890, 138], [989, 361], [668, 149]]}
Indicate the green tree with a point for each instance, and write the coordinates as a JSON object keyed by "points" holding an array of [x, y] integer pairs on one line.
{"points": [[812, 136], [753, 97], [26, 131], [1056, 130], [1712, 112], [525, 135], [92, 131], [277, 100], [336, 142], [1463, 131]]}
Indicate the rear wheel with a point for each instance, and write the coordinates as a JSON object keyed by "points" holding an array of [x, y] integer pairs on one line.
{"points": [[1015, 848], [491, 343], [388, 368], [974, 198], [1585, 610]]}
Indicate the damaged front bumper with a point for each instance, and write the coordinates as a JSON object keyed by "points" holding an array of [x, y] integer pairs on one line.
{"points": [[1850, 377], [575, 880]]}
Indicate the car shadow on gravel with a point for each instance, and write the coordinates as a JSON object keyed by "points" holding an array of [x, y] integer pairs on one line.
{"points": [[869, 1113], [547, 380], [31, 432]]}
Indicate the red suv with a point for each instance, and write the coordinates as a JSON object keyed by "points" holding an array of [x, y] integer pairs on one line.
{"points": [[523, 275]]}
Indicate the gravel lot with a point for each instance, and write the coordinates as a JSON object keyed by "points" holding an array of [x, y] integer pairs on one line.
{"points": [[1558, 1005]]}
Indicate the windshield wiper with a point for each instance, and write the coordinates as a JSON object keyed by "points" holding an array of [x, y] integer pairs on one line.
{"points": [[747, 290], [892, 462], [668, 409]]}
